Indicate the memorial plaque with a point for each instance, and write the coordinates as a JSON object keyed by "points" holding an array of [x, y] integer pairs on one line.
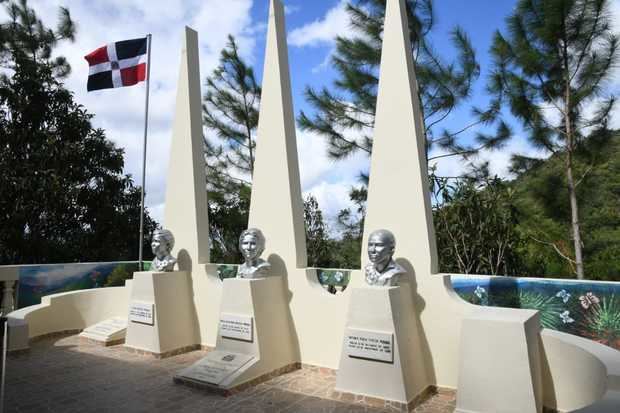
{"points": [[216, 367], [370, 345], [141, 312], [107, 330], [237, 327]]}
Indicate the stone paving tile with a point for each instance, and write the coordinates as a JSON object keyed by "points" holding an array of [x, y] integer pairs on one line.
{"points": [[67, 375]]}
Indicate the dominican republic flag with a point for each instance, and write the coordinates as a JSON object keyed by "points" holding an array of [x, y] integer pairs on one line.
{"points": [[117, 64]]}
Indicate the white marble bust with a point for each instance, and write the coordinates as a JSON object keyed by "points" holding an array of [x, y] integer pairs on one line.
{"points": [[252, 245], [382, 269], [162, 243]]}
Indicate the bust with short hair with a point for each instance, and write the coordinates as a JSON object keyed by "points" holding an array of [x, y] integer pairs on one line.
{"points": [[251, 246], [162, 243], [382, 269]]}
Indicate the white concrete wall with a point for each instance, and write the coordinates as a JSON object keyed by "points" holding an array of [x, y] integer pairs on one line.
{"points": [[73, 310], [576, 372]]}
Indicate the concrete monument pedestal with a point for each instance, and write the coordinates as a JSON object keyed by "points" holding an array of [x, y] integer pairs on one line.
{"points": [[254, 341], [499, 368], [161, 318], [379, 356]]}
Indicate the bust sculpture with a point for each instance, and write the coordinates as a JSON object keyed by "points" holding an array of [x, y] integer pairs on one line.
{"points": [[251, 246], [382, 269], [162, 243]]}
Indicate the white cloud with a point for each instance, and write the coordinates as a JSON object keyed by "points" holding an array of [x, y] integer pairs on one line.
{"points": [[121, 111], [322, 31], [332, 198], [327, 180]]}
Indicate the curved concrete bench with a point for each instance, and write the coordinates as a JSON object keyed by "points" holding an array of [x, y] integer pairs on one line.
{"points": [[580, 375], [68, 311]]}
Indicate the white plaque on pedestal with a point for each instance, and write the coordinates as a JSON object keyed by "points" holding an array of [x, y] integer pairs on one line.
{"points": [[370, 345], [237, 327], [215, 367], [141, 312]]}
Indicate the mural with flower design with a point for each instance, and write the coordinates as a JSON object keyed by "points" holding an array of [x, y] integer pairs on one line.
{"points": [[36, 281], [586, 309]]}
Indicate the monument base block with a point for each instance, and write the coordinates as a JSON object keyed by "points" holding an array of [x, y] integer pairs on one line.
{"points": [[254, 343], [161, 318], [380, 347], [499, 368]]}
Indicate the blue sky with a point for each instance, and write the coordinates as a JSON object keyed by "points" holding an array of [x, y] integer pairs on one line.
{"points": [[311, 26]]}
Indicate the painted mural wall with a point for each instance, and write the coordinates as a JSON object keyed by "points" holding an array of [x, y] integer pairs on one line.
{"points": [[589, 309], [36, 281]]}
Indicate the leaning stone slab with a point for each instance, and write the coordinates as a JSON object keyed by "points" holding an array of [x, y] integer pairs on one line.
{"points": [[108, 332]]}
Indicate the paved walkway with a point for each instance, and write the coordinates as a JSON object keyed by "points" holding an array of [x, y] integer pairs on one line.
{"points": [[68, 375]]}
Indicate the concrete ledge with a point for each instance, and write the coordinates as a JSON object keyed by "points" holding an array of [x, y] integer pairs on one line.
{"points": [[102, 343], [70, 311], [387, 404], [166, 354], [580, 374]]}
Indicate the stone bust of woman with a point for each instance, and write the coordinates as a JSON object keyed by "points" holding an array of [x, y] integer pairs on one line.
{"points": [[162, 243], [382, 269], [251, 246]]}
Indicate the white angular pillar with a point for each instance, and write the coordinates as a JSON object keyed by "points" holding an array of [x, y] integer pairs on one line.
{"points": [[500, 362], [276, 207], [398, 196], [186, 195], [399, 200]]}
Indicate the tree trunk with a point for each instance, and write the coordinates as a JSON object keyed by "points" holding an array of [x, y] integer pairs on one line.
{"points": [[572, 190], [574, 208]]}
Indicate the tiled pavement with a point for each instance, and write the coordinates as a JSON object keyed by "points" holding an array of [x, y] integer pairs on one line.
{"points": [[68, 375]]}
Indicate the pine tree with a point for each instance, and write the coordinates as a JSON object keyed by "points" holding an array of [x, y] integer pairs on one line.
{"points": [[230, 109], [317, 238], [64, 195], [550, 71], [344, 113]]}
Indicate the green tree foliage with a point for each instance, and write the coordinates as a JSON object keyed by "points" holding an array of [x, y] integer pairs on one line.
{"points": [[550, 71], [345, 112], [64, 196], [318, 243], [119, 275], [539, 195], [228, 217], [230, 109], [476, 225]]}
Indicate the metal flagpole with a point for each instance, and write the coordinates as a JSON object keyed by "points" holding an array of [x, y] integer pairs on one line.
{"points": [[146, 124]]}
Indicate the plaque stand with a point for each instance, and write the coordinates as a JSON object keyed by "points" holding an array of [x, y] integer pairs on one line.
{"points": [[376, 316], [167, 323], [263, 340]]}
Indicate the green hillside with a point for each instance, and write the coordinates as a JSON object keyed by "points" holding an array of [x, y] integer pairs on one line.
{"points": [[544, 213]]}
